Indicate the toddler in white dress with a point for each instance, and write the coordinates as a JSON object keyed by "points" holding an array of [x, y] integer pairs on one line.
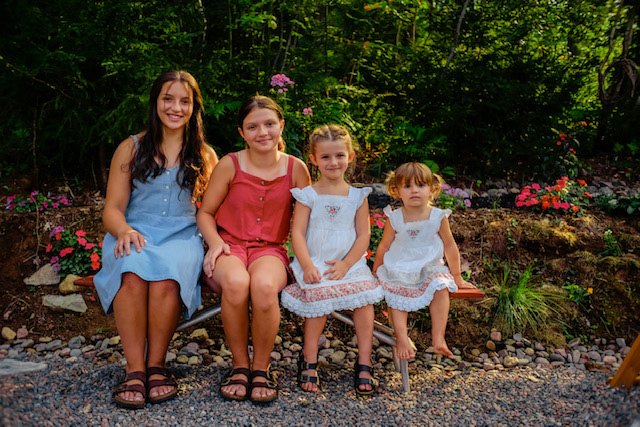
{"points": [[409, 262], [330, 235]]}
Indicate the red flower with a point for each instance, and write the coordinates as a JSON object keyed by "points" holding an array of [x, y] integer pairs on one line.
{"points": [[80, 233], [95, 257], [58, 236], [369, 254], [581, 182], [49, 247], [82, 241]]}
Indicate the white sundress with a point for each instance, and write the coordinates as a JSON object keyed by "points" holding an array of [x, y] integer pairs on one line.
{"points": [[413, 268], [330, 235]]}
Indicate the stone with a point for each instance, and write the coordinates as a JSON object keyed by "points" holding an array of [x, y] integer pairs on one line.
{"points": [[73, 302], [194, 360], [170, 357], [10, 366], [488, 366], [496, 336], [76, 352], [510, 362], [67, 286], [53, 345], [529, 351], [557, 364], [338, 356], [275, 356], [562, 352], [27, 343], [182, 359], [114, 341], [44, 276], [382, 352], [574, 342], [223, 352], [538, 347], [595, 356], [22, 333], [491, 345], [65, 352], [609, 360], [278, 340], [475, 352], [199, 334], [294, 348], [517, 337], [541, 361], [75, 342], [621, 343], [8, 334]]}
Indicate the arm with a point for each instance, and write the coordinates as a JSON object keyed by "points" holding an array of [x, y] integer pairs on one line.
{"points": [[213, 197], [298, 241], [452, 254], [301, 177], [118, 194], [388, 234], [363, 235]]}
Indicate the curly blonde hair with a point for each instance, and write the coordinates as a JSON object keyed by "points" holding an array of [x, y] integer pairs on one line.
{"points": [[416, 172]]}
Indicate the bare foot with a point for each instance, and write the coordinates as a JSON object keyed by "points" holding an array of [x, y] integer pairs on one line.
{"points": [[160, 390], [132, 396], [404, 348], [442, 348], [236, 389], [466, 285]]}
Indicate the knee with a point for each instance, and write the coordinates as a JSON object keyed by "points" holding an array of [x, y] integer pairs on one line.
{"points": [[235, 291], [165, 289], [264, 294], [132, 283]]}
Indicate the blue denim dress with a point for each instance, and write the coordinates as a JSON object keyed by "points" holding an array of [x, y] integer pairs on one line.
{"points": [[163, 213]]}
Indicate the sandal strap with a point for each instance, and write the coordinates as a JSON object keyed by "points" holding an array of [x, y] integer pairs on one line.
{"points": [[304, 378], [138, 388], [135, 375], [168, 379], [228, 381], [304, 365], [363, 368], [269, 382]]}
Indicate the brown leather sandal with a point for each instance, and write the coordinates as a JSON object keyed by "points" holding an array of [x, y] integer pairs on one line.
{"points": [[168, 380], [228, 381], [136, 388], [357, 381], [268, 382]]}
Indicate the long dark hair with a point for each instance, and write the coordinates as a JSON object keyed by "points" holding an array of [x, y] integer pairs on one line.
{"points": [[194, 169], [260, 101]]}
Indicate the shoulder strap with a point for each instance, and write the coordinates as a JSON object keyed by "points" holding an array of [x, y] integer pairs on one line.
{"points": [[234, 157], [135, 140], [290, 170]]}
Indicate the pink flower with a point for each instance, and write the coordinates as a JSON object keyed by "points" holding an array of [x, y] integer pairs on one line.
{"points": [[56, 267], [54, 259], [45, 204], [519, 204], [11, 206], [308, 111], [89, 246], [82, 241], [64, 200], [49, 247], [11, 198], [280, 91], [379, 223], [34, 193], [80, 233], [55, 205]]}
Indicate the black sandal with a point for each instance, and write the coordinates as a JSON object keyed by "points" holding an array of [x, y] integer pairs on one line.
{"points": [[168, 380], [269, 383], [304, 378], [228, 381], [357, 382], [137, 388]]}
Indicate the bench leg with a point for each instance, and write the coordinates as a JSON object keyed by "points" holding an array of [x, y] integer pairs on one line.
{"points": [[199, 317]]}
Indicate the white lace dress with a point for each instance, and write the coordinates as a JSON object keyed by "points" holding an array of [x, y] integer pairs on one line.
{"points": [[330, 235], [414, 268]]}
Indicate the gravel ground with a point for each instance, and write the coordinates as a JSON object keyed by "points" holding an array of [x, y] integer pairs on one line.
{"points": [[80, 394]]}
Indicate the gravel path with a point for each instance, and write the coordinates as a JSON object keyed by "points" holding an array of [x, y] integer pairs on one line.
{"points": [[79, 394]]}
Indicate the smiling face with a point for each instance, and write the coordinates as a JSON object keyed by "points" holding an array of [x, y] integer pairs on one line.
{"points": [[174, 105], [262, 129], [332, 157], [414, 194]]}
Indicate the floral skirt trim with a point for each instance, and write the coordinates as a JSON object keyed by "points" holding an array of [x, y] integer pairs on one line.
{"points": [[322, 300], [413, 299]]}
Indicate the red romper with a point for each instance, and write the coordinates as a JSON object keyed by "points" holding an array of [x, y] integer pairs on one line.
{"points": [[255, 217]]}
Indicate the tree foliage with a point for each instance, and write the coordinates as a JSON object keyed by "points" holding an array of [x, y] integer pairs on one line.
{"points": [[480, 87]]}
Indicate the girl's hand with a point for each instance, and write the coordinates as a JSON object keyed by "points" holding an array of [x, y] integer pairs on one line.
{"points": [[212, 255], [124, 242], [312, 275], [338, 270]]}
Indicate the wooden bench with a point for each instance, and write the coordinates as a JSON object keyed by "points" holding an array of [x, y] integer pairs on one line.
{"points": [[382, 332]]}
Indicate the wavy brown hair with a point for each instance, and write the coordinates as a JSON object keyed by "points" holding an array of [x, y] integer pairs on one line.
{"points": [[194, 170]]}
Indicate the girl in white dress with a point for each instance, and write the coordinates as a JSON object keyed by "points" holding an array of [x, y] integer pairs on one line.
{"points": [[330, 235], [409, 262]]}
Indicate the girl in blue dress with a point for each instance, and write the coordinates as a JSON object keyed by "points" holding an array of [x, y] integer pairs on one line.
{"points": [[152, 254]]}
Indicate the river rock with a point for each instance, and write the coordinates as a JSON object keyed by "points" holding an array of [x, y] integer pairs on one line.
{"points": [[22, 333], [10, 366], [8, 334], [45, 276], [73, 302], [200, 334], [67, 286]]}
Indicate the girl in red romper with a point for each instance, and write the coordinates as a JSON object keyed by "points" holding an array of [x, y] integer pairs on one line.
{"points": [[245, 219]]}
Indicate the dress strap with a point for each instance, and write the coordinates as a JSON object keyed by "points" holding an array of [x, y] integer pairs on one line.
{"points": [[135, 140], [290, 170], [236, 163]]}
